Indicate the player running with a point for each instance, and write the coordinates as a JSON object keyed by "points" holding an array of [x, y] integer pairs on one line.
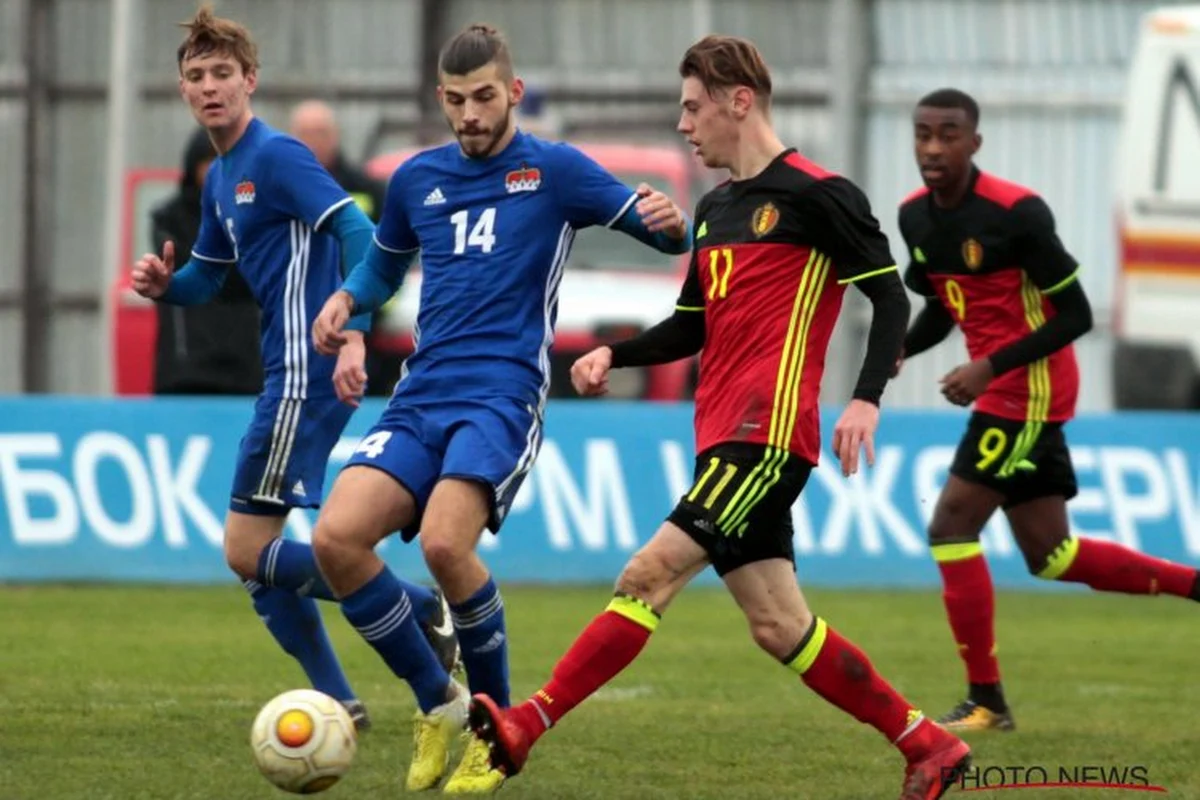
{"points": [[272, 210], [774, 249], [493, 216], [985, 254]]}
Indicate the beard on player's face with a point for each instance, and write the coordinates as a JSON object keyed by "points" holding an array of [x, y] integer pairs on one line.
{"points": [[478, 140]]}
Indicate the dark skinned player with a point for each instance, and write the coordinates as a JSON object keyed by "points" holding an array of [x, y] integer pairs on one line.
{"points": [[985, 255]]}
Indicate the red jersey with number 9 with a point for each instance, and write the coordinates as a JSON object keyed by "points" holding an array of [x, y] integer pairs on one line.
{"points": [[992, 261]]}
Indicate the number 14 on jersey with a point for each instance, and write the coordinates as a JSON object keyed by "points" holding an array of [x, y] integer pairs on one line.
{"points": [[483, 232]]}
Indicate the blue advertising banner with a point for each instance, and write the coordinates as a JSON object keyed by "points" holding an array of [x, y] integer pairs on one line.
{"points": [[136, 489]]}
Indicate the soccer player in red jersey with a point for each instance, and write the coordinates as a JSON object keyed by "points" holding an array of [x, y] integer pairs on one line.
{"points": [[774, 249], [985, 254]]}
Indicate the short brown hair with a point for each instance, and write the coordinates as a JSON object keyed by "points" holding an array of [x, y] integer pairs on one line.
{"points": [[473, 47], [723, 62], [209, 34]]}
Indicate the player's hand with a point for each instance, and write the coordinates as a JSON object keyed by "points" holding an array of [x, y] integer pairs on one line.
{"points": [[855, 431], [659, 212], [151, 274], [589, 373], [327, 334], [350, 374], [965, 383]]}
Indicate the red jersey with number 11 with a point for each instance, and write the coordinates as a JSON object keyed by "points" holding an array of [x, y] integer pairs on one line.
{"points": [[771, 259]]}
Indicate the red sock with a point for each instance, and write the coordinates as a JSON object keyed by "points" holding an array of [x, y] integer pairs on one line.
{"points": [[609, 644], [971, 608], [842, 674], [1110, 567]]}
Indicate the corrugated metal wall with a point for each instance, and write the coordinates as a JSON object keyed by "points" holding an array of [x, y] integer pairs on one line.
{"points": [[12, 190], [1049, 74]]}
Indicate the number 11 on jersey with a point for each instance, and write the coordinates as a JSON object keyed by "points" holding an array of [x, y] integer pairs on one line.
{"points": [[482, 235]]}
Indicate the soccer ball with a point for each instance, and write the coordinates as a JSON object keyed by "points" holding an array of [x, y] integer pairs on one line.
{"points": [[303, 741]]}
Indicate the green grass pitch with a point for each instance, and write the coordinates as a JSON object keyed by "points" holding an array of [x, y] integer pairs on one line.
{"points": [[148, 692]]}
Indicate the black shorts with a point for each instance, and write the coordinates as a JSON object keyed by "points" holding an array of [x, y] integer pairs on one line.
{"points": [[1021, 460], [740, 507]]}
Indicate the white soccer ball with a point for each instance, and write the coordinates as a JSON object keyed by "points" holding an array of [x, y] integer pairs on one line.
{"points": [[303, 741]]}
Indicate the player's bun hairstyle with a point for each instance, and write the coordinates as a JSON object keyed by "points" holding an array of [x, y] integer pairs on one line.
{"points": [[952, 98], [723, 62], [473, 47], [209, 34]]}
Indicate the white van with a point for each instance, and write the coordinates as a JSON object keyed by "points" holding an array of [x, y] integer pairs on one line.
{"points": [[1157, 302]]}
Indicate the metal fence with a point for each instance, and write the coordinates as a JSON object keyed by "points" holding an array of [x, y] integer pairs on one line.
{"points": [[1049, 74]]}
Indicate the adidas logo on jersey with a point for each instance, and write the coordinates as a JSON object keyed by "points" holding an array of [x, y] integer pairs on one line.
{"points": [[435, 198], [243, 192], [526, 179], [298, 489]]}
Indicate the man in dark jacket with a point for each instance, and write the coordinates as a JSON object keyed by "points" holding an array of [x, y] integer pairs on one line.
{"points": [[211, 348], [313, 123]]}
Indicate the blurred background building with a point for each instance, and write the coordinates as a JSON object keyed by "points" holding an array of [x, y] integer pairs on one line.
{"points": [[1049, 74]]}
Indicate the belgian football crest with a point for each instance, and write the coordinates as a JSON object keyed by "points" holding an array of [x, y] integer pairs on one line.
{"points": [[764, 220], [972, 253]]}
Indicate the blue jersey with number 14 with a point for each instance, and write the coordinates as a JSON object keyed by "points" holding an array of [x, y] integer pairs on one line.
{"points": [[494, 235]]}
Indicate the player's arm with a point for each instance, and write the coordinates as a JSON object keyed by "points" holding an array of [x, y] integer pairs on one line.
{"points": [[678, 336], [933, 323], [389, 255], [652, 209], [590, 195], [931, 327], [1056, 275], [862, 257], [201, 278]]}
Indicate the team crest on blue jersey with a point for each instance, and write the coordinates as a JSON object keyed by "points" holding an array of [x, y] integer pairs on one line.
{"points": [[525, 179], [244, 192]]}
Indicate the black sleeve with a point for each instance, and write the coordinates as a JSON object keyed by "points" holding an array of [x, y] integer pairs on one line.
{"points": [[678, 336], [847, 230], [931, 327], [916, 274], [889, 316], [1039, 249], [1072, 318]]}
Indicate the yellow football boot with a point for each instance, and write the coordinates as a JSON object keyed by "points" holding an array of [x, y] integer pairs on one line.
{"points": [[475, 774]]}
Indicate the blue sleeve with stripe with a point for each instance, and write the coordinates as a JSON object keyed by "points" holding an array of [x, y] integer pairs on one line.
{"points": [[377, 277], [299, 187], [589, 193], [395, 232], [353, 231], [211, 242]]}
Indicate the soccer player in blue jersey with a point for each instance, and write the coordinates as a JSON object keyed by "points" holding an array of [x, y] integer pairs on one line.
{"points": [[272, 210], [493, 216]]}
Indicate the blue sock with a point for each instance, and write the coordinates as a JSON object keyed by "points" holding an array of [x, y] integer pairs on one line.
{"points": [[479, 623], [291, 565], [381, 611], [296, 624]]}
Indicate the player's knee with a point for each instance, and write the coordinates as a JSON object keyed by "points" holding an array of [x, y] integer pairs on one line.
{"points": [[444, 552], [333, 544], [643, 577], [776, 635], [242, 556], [953, 521]]}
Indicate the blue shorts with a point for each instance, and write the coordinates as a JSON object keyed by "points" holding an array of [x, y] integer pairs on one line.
{"points": [[493, 442], [284, 455]]}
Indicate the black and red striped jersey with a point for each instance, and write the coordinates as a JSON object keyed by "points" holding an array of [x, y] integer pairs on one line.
{"points": [[772, 257], [992, 261]]}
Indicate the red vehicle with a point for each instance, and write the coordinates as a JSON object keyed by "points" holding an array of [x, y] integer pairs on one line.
{"points": [[613, 285]]}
